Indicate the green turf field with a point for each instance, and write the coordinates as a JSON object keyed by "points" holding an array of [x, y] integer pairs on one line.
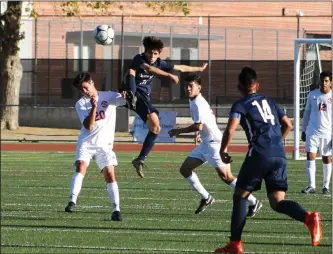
{"points": [[158, 210]]}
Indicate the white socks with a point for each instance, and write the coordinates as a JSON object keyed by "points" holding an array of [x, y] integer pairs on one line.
{"points": [[311, 173], [251, 199], [327, 171], [114, 196], [75, 187], [194, 181]]}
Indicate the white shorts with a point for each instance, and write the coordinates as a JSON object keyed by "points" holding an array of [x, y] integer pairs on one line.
{"points": [[209, 152], [323, 144], [104, 156]]}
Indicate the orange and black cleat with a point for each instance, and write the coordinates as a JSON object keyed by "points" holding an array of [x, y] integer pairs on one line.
{"points": [[313, 222], [231, 247]]}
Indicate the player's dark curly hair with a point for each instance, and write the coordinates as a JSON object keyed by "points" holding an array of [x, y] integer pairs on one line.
{"points": [[193, 78], [80, 78], [325, 74], [152, 43], [247, 77]]}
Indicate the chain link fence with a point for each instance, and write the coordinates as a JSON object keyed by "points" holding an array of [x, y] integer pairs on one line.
{"points": [[55, 50]]}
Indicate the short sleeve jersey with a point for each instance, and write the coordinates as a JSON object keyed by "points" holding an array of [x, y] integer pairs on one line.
{"points": [[260, 118], [143, 78], [103, 130], [202, 113], [320, 106]]}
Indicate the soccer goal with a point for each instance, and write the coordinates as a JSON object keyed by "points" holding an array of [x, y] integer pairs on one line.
{"points": [[307, 67]]}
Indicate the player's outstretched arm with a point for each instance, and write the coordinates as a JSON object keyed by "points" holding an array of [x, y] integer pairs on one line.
{"points": [[186, 68], [192, 128], [286, 127], [160, 72], [227, 137]]}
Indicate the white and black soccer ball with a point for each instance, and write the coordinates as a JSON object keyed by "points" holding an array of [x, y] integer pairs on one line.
{"points": [[103, 34]]}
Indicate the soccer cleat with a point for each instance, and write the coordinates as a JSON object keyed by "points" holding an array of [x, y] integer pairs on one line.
{"points": [[139, 165], [313, 222], [231, 247], [116, 216], [326, 191], [204, 203], [70, 207], [131, 99], [309, 190], [253, 209]]}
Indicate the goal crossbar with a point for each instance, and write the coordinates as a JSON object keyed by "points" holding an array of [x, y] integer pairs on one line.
{"points": [[298, 42]]}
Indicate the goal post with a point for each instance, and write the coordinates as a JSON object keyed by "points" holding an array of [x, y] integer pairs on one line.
{"points": [[304, 76]]}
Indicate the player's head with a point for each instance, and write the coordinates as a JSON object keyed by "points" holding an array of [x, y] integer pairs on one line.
{"points": [[325, 81], [85, 84], [192, 85], [247, 81], [153, 48]]}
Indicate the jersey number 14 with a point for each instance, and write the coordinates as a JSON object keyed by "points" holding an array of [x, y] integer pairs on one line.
{"points": [[265, 111]]}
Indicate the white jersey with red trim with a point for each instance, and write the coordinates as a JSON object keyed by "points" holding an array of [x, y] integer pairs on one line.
{"points": [[317, 119], [201, 112], [102, 133]]}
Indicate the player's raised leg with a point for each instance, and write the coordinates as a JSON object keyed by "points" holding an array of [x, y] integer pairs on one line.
{"points": [[187, 171], [154, 127], [76, 184], [294, 210]]}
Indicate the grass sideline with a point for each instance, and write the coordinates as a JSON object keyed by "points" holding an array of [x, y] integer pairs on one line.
{"points": [[158, 210]]}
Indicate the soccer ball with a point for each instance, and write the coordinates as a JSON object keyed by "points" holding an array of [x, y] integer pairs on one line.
{"points": [[103, 34]]}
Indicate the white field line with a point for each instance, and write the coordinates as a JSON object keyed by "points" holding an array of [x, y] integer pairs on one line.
{"points": [[103, 248], [124, 197], [317, 196], [127, 249], [155, 232], [220, 222], [145, 206]]}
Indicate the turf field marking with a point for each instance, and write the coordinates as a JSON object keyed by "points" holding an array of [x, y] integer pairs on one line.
{"points": [[152, 231]]}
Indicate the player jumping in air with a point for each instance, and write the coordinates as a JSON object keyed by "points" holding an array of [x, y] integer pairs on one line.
{"points": [[97, 113], [209, 150], [266, 125], [317, 132], [139, 82]]}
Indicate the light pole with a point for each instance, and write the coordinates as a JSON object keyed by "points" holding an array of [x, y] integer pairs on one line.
{"points": [[298, 15]]}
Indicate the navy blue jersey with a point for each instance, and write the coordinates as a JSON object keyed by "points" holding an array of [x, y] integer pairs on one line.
{"points": [[143, 78], [260, 118]]}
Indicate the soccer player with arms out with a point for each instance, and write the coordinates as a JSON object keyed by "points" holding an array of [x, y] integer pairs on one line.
{"points": [[209, 150], [139, 81], [265, 125], [317, 131], [97, 113]]}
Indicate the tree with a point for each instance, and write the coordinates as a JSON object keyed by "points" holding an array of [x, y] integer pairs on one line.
{"points": [[10, 35], [10, 64]]}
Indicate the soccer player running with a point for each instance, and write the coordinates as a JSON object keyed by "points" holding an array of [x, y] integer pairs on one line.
{"points": [[139, 80], [97, 113], [317, 131], [266, 125], [209, 150]]}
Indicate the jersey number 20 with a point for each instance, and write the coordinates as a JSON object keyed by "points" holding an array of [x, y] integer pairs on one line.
{"points": [[265, 111]]}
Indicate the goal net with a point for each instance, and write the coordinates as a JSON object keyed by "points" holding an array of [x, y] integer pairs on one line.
{"points": [[307, 67]]}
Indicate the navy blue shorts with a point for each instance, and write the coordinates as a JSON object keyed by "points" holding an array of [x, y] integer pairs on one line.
{"points": [[144, 106], [258, 167]]}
